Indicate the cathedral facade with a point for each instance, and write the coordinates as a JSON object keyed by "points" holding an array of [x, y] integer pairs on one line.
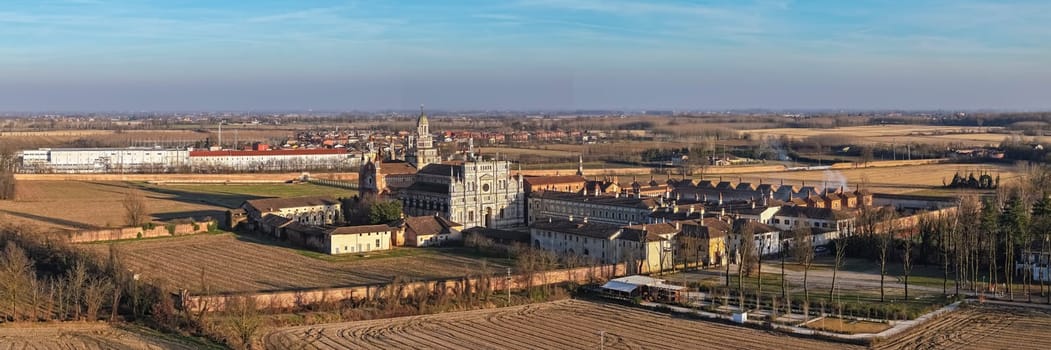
{"points": [[473, 192], [470, 190]]}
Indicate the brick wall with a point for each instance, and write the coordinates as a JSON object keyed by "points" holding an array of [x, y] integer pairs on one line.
{"points": [[498, 282], [158, 230]]}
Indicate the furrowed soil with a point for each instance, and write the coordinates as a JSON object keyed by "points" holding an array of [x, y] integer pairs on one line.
{"points": [[985, 326], [228, 263], [87, 336], [567, 324]]}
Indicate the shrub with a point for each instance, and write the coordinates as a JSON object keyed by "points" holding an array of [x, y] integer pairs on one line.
{"points": [[170, 228]]}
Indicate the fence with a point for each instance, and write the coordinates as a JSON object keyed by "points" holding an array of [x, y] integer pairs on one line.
{"points": [[496, 282], [145, 231], [350, 185]]}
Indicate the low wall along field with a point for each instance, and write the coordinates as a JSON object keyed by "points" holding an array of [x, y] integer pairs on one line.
{"points": [[146, 231], [291, 299]]}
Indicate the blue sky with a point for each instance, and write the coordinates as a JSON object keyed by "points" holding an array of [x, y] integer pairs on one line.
{"points": [[523, 54]]}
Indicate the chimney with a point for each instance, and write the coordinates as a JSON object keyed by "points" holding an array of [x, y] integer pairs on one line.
{"points": [[616, 195], [753, 204], [571, 218], [702, 212], [585, 219], [691, 209], [722, 211]]}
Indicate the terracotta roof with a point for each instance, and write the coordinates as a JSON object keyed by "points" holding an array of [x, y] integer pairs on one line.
{"points": [[705, 228], [578, 227], [396, 167], [277, 152], [275, 220], [658, 229], [757, 227], [816, 213], [429, 225], [274, 204], [550, 180], [610, 200], [359, 229]]}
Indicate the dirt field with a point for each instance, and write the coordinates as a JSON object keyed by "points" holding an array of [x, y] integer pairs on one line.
{"points": [[981, 327], [902, 179], [567, 324], [111, 138], [233, 264], [68, 205], [85, 336], [900, 134]]}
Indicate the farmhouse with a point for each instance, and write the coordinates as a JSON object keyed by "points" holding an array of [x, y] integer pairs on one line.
{"points": [[428, 230], [358, 239], [767, 238], [833, 223], [702, 242], [314, 211]]}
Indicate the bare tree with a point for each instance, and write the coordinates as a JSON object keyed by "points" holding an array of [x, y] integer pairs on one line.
{"points": [[244, 319], [94, 295], [906, 260], [841, 250], [883, 240], [135, 211], [804, 254]]}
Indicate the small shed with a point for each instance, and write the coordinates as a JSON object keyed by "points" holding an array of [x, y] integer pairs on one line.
{"points": [[648, 288]]}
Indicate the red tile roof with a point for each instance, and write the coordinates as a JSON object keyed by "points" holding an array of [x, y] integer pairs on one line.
{"points": [[279, 152]]}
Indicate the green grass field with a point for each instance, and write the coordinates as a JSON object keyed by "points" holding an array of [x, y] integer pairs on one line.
{"points": [[232, 195]]}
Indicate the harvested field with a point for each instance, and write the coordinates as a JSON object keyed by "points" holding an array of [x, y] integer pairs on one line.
{"points": [[981, 327], [567, 324], [900, 134], [70, 205], [125, 138], [901, 179], [233, 264], [82, 336]]}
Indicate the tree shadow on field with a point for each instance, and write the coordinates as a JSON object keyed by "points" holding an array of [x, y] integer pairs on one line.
{"points": [[216, 199], [197, 215], [56, 221]]}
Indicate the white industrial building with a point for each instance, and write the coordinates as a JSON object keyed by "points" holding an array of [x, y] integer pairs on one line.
{"points": [[267, 160], [103, 160], [155, 160]]}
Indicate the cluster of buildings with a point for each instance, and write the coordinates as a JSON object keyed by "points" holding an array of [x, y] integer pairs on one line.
{"points": [[649, 226]]}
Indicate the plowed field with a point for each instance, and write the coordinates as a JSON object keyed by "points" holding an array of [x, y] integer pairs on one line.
{"points": [[568, 324], [981, 327], [80, 336], [228, 264]]}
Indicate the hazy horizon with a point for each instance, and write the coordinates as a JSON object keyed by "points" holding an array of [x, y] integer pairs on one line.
{"points": [[126, 55]]}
